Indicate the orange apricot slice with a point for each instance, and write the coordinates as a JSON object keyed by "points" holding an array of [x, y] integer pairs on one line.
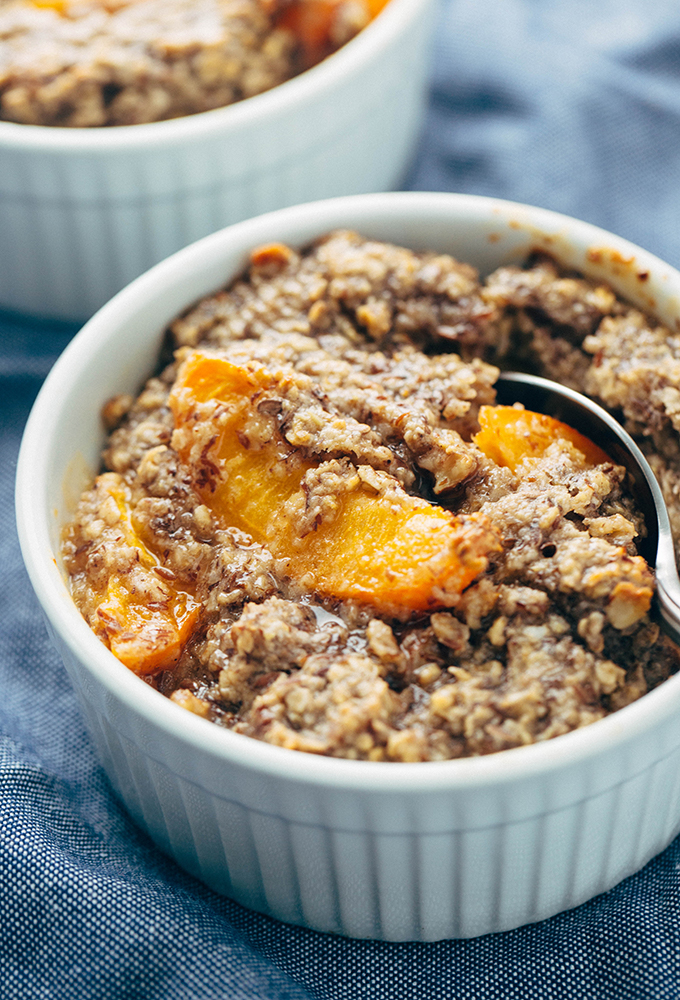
{"points": [[144, 619], [312, 23], [58, 5], [510, 436], [380, 545]]}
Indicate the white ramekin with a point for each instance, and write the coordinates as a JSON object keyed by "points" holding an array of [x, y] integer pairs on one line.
{"points": [[391, 851], [84, 211]]}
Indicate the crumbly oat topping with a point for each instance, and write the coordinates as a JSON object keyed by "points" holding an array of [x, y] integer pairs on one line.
{"points": [[369, 364], [88, 63]]}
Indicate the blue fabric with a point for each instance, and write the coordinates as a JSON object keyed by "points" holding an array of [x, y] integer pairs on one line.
{"points": [[567, 104]]}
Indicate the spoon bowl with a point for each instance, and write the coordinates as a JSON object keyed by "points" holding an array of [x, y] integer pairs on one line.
{"points": [[581, 413]]}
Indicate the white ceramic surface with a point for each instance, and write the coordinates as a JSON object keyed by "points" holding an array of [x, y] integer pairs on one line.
{"points": [[84, 211], [391, 851]]}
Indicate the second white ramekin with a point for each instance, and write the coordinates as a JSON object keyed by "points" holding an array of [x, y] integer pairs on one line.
{"points": [[84, 211], [380, 850]]}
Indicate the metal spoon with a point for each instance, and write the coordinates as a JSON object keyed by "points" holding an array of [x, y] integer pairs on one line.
{"points": [[544, 396]]}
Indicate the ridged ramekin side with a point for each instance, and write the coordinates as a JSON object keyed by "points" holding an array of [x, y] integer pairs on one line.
{"points": [[422, 884]]}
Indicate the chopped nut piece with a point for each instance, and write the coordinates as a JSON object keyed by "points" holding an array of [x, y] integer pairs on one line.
{"points": [[185, 699]]}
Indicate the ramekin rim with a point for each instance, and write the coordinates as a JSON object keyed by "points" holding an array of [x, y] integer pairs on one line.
{"points": [[155, 709], [250, 111]]}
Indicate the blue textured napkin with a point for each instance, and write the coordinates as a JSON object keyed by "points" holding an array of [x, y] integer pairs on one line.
{"points": [[562, 103]]}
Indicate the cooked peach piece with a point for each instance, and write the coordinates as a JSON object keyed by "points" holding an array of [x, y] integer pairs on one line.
{"points": [[146, 637], [144, 619], [311, 21], [313, 24], [510, 435], [379, 544]]}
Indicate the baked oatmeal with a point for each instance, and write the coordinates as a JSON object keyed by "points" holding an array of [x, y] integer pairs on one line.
{"points": [[314, 526], [88, 63]]}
